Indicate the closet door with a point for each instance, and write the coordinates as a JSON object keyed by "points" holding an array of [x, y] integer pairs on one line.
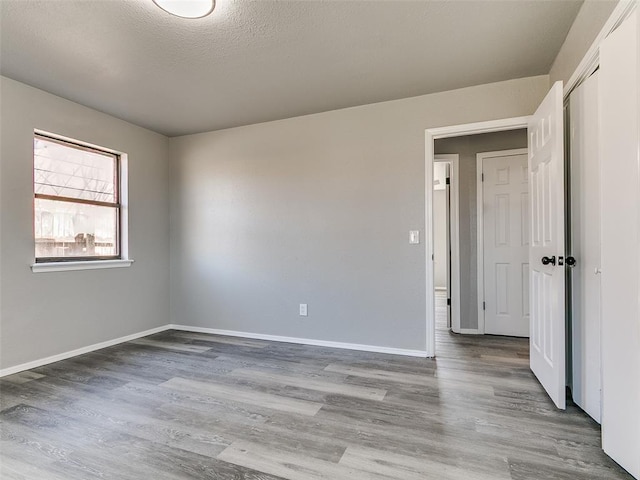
{"points": [[620, 167], [584, 170]]}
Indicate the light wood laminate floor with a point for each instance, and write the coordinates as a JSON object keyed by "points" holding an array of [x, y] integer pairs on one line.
{"points": [[180, 405]]}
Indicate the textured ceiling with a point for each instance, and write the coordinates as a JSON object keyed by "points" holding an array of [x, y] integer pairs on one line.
{"points": [[254, 61]]}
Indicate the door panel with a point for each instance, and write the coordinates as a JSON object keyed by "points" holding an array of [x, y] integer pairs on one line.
{"points": [[619, 86], [585, 247], [505, 251], [525, 291], [547, 293], [524, 214]]}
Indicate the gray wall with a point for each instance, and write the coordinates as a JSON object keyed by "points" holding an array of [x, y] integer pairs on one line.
{"points": [[467, 147], [316, 210], [50, 313], [439, 238], [590, 19]]}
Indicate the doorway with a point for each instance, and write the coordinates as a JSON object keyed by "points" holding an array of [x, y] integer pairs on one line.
{"points": [[544, 133], [468, 302], [446, 241], [466, 291]]}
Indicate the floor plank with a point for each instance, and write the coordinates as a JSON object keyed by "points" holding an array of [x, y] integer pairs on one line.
{"points": [[244, 395], [258, 376]]}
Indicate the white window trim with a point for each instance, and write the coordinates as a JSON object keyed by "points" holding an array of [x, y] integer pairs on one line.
{"points": [[85, 265], [125, 261]]}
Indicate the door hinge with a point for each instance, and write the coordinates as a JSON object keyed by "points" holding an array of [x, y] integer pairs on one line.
{"points": [[448, 302], [433, 257], [484, 305], [482, 177], [448, 181]]}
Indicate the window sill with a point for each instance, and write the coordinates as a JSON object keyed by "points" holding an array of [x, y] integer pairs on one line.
{"points": [[85, 265]]}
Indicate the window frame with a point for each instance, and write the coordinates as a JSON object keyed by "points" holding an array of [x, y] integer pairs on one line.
{"points": [[117, 158]]}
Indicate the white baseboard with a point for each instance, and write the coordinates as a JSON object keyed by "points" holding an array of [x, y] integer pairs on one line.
{"points": [[303, 341], [469, 331], [274, 338], [79, 351]]}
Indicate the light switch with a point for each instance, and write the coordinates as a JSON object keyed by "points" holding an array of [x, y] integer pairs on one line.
{"points": [[414, 237]]}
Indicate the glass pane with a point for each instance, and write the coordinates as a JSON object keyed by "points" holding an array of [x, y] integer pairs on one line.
{"points": [[64, 229], [66, 171]]}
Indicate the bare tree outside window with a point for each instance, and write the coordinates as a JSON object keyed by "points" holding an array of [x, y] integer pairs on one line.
{"points": [[76, 204]]}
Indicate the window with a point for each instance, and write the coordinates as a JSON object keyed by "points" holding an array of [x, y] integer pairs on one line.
{"points": [[77, 210]]}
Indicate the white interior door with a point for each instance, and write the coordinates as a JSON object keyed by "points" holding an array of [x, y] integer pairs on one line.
{"points": [[546, 254], [505, 213], [584, 171]]}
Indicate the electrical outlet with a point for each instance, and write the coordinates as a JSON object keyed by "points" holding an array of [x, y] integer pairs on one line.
{"points": [[303, 309]]}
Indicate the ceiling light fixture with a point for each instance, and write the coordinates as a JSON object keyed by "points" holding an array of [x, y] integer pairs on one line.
{"points": [[187, 8]]}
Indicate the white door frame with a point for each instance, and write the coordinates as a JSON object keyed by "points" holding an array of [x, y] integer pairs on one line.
{"points": [[480, 223], [453, 159], [432, 134]]}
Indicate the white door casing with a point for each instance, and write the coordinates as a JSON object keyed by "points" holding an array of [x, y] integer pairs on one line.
{"points": [[448, 239], [503, 256], [547, 281]]}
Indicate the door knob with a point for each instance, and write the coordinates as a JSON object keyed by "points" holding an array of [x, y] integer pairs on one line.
{"points": [[549, 260], [571, 261]]}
